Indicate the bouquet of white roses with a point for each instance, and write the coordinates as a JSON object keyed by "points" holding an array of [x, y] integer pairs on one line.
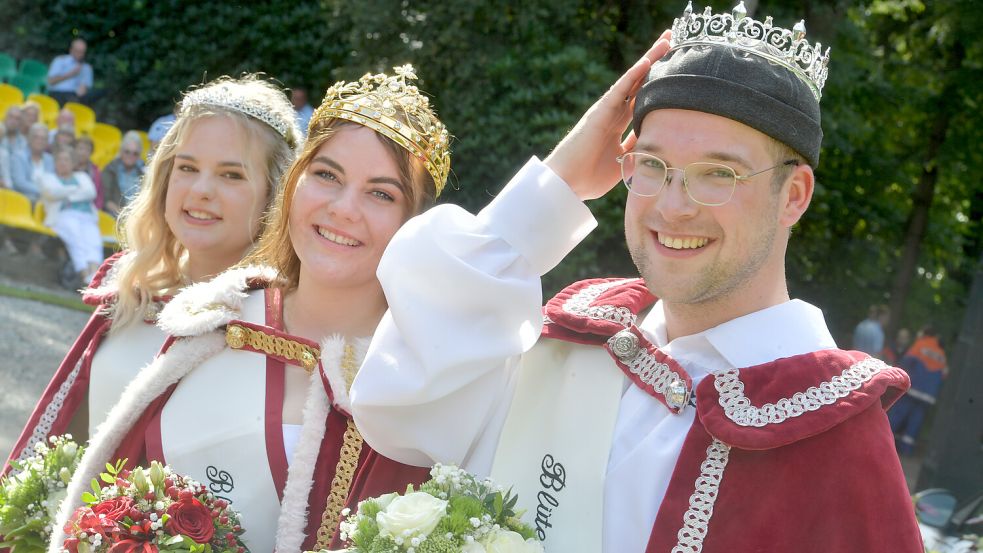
{"points": [[31, 494], [454, 512]]}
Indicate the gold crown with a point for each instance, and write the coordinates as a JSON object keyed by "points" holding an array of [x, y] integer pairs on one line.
{"points": [[374, 101]]}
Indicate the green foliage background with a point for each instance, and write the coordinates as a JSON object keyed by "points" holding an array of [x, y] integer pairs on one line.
{"points": [[511, 78]]}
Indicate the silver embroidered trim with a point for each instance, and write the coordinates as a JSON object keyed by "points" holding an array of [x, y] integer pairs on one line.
{"points": [[580, 304], [696, 520], [47, 419], [649, 370], [738, 407]]}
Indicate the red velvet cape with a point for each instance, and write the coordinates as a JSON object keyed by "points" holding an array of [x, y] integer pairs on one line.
{"points": [[827, 480], [76, 387]]}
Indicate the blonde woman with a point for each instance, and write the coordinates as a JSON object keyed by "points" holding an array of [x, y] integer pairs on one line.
{"points": [[265, 353], [199, 210]]}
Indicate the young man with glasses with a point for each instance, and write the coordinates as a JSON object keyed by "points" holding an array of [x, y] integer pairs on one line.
{"points": [[696, 409]]}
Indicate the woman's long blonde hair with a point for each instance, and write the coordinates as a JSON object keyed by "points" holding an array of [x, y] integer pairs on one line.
{"points": [[275, 247], [153, 265]]}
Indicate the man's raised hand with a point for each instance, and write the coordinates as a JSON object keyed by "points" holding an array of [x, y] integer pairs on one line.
{"points": [[585, 158]]}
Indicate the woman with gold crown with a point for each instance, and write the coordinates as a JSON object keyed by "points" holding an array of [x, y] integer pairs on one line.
{"points": [[251, 394], [199, 209]]}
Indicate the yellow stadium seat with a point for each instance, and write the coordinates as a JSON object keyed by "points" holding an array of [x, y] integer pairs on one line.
{"points": [[146, 144], [39, 219], [49, 108], [102, 159], [107, 227], [15, 211], [107, 138], [85, 118], [10, 95]]}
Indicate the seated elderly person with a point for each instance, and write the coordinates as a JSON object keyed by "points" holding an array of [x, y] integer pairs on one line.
{"points": [[5, 179], [14, 139], [83, 162], [63, 138], [67, 195], [121, 177], [26, 167], [66, 121]]}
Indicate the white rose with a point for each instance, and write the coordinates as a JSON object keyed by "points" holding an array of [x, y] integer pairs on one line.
{"points": [[473, 547], [382, 501], [417, 513], [507, 541]]}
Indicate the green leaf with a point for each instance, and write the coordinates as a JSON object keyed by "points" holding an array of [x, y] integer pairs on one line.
{"points": [[89, 499]]}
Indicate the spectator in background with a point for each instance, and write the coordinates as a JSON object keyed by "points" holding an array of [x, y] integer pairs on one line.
{"points": [[121, 177], [5, 179], [67, 195], [868, 337], [158, 129], [27, 167], [65, 120], [30, 113], [894, 352], [298, 97], [14, 140], [83, 162], [63, 138], [925, 363], [69, 77]]}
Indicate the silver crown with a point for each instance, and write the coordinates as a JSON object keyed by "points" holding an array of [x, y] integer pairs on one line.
{"points": [[737, 30], [222, 96]]}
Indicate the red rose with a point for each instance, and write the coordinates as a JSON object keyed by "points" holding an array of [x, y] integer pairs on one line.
{"points": [[190, 518], [72, 545], [86, 520], [133, 546], [114, 509]]}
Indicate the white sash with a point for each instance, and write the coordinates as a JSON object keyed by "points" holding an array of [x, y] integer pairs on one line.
{"points": [[554, 447], [213, 430], [117, 361]]}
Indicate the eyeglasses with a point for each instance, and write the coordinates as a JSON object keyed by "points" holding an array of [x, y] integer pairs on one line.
{"points": [[709, 184]]}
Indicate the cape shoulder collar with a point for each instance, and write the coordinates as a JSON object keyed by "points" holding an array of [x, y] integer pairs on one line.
{"points": [[206, 306], [591, 311], [759, 407], [790, 399], [103, 287]]}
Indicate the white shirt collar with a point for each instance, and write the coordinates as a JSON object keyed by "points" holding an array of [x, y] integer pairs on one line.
{"points": [[790, 328]]}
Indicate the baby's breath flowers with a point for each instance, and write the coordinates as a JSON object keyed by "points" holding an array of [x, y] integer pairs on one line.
{"points": [[31, 493]]}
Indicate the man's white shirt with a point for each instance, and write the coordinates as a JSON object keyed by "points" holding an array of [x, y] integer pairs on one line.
{"points": [[437, 381]]}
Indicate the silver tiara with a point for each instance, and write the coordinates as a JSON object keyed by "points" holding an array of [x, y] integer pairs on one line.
{"points": [[737, 30], [222, 96]]}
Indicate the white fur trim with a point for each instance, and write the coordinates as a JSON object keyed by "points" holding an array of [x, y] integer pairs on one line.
{"points": [[294, 508], [109, 284], [153, 380], [205, 306], [331, 355]]}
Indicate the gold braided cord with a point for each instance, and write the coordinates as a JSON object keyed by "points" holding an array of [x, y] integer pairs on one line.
{"points": [[239, 336], [341, 484], [377, 101]]}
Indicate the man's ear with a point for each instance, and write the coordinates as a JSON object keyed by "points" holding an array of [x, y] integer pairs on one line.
{"points": [[796, 195]]}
